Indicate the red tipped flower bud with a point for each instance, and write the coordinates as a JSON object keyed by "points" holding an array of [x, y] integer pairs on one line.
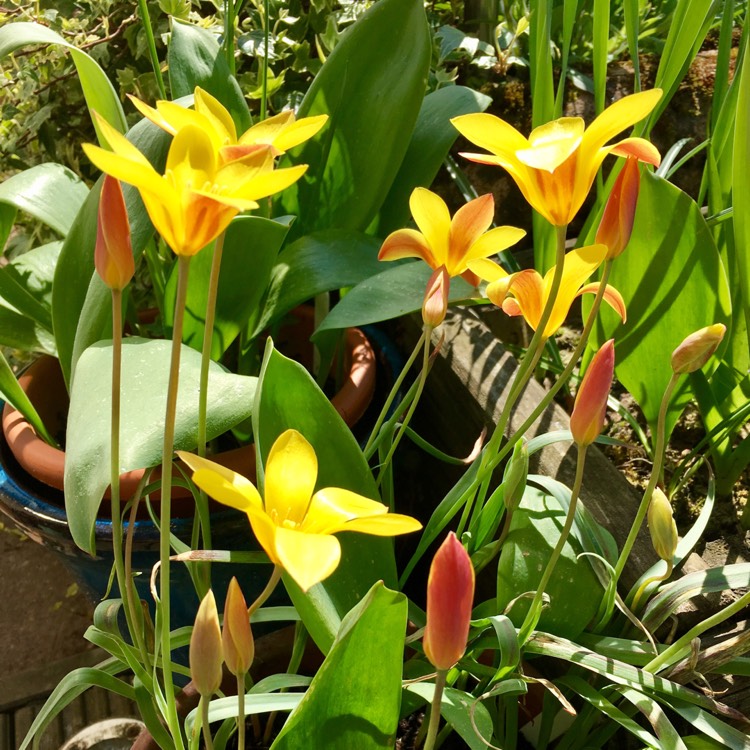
{"points": [[113, 256], [205, 648], [237, 637], [619, 213], [590, 408], [450, 594], [662, 526], [435, 303], [697, 349]]}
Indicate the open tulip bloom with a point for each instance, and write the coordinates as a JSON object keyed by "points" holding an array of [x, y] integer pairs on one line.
{"points": [[280, 132], [443, 241], [530, 291], [294, 524], [198, 195], [555, 166]]}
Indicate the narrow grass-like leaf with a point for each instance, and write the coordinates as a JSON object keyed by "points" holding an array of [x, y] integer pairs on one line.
{"points": [[632, 12], [668, 737]]}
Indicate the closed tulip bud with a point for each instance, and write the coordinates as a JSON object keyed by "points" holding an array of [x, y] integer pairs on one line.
{"points": [[590, 407], [435, 303], [450, 594], [113, 256], [205, 648], [617, 221], [236, 636], [697, 349], [662, 526]]}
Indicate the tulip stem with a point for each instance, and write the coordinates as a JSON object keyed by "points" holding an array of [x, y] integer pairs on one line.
{"points": [[642, 588], [371, 442], [267, 591], [264, 80], [653, 481], [151, 43], [241, 711], [532, 616], [435, 710], [229, 12], [173, 721], [124, 581], [207, 739]]}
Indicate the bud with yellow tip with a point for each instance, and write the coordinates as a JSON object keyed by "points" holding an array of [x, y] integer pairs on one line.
{"points": [[697, 349], [236, 635], [435, 303], [590, 407], [662, 526], [206, 656]]}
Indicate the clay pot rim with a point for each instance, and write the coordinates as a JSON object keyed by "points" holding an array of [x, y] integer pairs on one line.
{"points": [[47, 463]]}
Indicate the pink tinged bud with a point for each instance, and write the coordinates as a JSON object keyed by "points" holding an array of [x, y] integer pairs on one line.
{"points": [[697, 349], [113, 256], [617, 221], [435, 303], [590, 408], [450, 594], [237, 637], [205, 648], [662, 526]]}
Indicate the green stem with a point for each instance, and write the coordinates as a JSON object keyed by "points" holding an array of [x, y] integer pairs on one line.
{"points": [[267, 591], [124, 582], [391, 396], [151, 43], [655, 474], [642, 588], [407, 417], [207, 739], [532, 616], [432, 730], [173, 721], [671, 654], [240, 712], [229, 16], [264, 80]]}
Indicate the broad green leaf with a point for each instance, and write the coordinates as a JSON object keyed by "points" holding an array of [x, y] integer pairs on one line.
{"points": [[75, 279], [430, 143], [99, 93], [455, 707], [20, 332], [49, 192], [574, 589], [288, 397], [145, 375], [396, 291], [7, 220], [673, 283], [316, 263], [195, 59], [371, 87], [26, 283], [354, 699], [251, 247]]}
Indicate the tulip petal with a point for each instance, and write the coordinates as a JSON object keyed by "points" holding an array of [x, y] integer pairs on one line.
{"points": [[468, 225], [491, 133], [527, 288], [298, 132], [390, 524], [407, 243], [215, 112], [291, 473], [192, 157], [434, 221], [153, 115], [307, 558], [494, 241], [333, 507], [269, 183], [124, 168], [611, 296], [552, 143], [639, 148], [510, 307], [267, 130], [265, 532], [488, 270]]}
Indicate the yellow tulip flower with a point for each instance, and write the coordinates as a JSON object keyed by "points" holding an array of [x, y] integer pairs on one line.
{"points": [[530, 291], [279, 133], [443, 241], [555, 166], [295, 525], [197, 197]]}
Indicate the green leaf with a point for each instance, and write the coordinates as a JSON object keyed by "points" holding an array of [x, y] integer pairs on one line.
{"points": [[145, 374], [75, 278], [430, 143], [673, 283], [195, 59], [50, 192], [354, 699], [288, 397], [574, 589], [7, 220], [99, 93], [19, 332], [397, 291], [371, 87], [251, 247], [455, 707], [316, 263]]}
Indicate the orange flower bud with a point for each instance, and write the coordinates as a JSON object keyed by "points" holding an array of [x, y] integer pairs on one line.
{"points": [[435, 303], [662, 526], [697, 349], [450, 593], [236, 636], [587, 419], [205, 648], [113, 256], [617, 221]]}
